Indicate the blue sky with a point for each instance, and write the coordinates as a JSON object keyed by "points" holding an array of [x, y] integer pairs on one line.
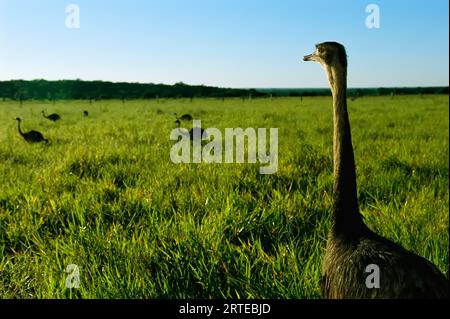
{"points": [[228, 43]]}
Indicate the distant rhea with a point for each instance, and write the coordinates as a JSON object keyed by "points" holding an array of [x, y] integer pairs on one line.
{"points": [[85, 113], [31, 136], [195, 132], [52, 117], [352, 248], [184, 117]]}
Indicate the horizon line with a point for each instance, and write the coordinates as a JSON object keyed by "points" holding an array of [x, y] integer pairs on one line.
{"points": [[229, 87]]}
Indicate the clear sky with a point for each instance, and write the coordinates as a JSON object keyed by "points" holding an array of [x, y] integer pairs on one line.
{"points": [[228, 43]]}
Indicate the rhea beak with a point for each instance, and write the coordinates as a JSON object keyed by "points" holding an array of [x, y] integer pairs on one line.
{"points": [[310, 57]]}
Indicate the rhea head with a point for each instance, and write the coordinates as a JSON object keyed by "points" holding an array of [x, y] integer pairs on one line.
{"points": [[328, 54], [332, 57]]}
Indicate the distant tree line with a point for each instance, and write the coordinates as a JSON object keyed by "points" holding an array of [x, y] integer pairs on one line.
{"points": [[98, 90], [358, 92]]}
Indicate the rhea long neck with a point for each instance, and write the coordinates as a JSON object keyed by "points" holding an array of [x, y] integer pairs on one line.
{"points": [[18, 126], [347, 219]]}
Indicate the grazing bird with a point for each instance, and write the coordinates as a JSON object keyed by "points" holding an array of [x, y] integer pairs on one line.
{"points": [[195, 130], [85, 113], [352, 247], [52, 117], [31, 136], [184, 117]]}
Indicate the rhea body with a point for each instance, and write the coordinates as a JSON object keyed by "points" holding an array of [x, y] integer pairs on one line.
{"points": [[351, 245], [31, 136], [193, 132], [52, 117], [184, 117]]}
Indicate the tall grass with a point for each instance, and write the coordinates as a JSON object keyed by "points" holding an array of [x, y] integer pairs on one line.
{"points": [[104, 195]]}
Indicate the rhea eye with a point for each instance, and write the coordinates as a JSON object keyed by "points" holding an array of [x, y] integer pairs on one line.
{"points": [[320, 50]]}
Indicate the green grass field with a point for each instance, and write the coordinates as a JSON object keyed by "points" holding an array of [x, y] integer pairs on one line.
{"points": [[104, 195]]}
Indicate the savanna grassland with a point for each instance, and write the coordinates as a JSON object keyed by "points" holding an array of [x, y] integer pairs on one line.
{"points": [[104, 195]]}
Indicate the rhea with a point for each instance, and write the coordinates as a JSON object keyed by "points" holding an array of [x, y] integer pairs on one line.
{"points": [[52, 117], [351, 246], [31, 136], [85, 113], [184, 117], [195, 132]]}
